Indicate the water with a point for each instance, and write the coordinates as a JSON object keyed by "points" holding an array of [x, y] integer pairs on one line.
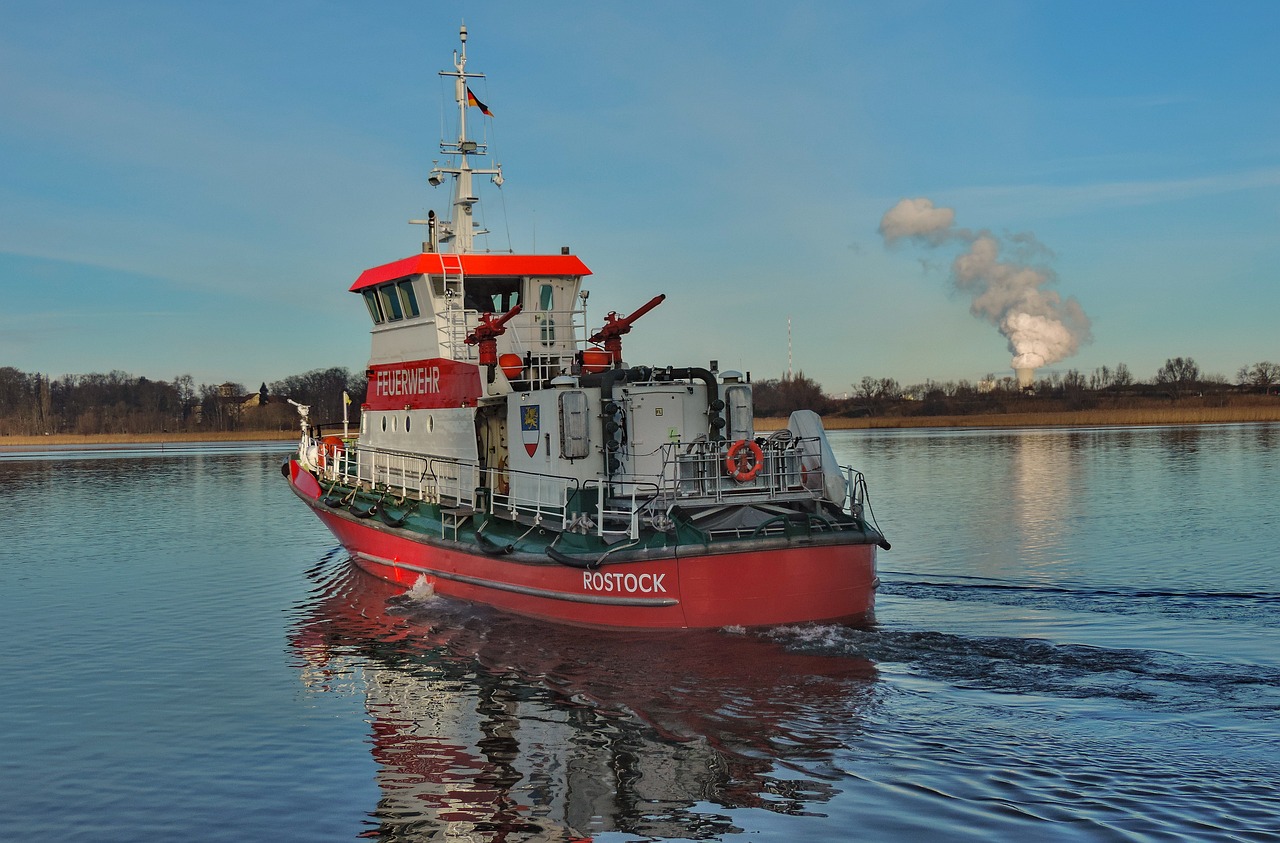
{"points": [[1078, 640]]}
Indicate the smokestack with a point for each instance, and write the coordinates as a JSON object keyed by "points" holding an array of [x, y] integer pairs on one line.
{"points": [[1026, 378]]}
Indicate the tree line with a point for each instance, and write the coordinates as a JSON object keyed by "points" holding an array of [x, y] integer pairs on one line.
{"points": [[33, 404], [121, 403], [1178, 378]]}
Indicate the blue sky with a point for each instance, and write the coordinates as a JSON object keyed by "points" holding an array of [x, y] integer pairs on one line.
{"points": [[191, 188]]}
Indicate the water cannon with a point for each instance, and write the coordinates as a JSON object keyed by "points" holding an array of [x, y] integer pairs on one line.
{"points": [[486, 336], [304, 410], [616, 326]]}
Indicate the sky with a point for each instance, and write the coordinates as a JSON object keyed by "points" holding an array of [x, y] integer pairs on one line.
{"points": [[192, 188]]}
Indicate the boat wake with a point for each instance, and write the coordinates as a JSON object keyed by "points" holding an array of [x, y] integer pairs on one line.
{"points": [[1259, 608], [1035, 666]]}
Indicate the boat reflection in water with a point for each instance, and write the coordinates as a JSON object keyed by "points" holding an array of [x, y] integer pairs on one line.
{"points": [[492, 726]]}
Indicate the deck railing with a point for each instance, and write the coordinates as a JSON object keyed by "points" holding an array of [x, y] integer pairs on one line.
{"points": [[693, 474]]}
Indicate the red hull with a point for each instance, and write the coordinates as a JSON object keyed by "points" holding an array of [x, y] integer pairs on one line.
{"points": [[744, 587]]}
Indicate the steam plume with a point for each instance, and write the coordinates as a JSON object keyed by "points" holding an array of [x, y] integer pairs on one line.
{"points": [[917, 218], [1010, 293]]}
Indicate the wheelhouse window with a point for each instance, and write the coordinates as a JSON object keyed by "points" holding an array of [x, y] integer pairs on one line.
{"points": [[375, 309], [408, 298], [491, 295], [390, 302]]}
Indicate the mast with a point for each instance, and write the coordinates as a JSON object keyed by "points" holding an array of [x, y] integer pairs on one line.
{"points": [[460, 229]]}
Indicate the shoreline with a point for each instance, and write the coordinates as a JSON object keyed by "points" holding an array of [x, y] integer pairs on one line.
{"points": [[1068, 418]]}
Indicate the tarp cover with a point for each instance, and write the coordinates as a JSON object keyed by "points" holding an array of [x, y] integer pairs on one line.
{"points": [[817, 456]]}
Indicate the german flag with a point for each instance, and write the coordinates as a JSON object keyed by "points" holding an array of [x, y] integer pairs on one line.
{"points": [[472, 99]]}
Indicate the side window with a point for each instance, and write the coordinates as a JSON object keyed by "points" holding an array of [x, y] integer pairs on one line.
{"points": [[408, 298], [737, 401], [390, 302], [575, 442], [375, 309], [546, 301]]}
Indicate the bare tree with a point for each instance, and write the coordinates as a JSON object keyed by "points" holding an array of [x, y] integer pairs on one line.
{"points": [[776, 398], [1178, 375], [322, 390], [220, 406], [872, 389], [1262, 375], [875, 393], [20, 401]]}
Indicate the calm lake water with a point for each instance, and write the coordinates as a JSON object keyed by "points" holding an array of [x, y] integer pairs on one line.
{"points": [[1078, 639]]}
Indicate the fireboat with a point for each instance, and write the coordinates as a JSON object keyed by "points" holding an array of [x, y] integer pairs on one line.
{"points": [[508, 454]]}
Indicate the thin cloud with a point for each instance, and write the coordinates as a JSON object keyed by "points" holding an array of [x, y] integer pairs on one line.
{"points": [[1079, 198]]}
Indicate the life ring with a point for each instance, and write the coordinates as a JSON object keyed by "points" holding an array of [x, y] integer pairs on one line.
{"points": [[739, 466], [330, 445]]}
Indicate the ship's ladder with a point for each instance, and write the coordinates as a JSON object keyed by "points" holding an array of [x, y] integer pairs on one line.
{"points": [[454, 327]]}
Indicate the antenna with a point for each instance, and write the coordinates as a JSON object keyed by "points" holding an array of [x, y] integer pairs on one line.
{"points": [[459, 230], [790, 373]]}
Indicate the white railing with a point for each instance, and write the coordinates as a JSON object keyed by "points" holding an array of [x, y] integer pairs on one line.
{"points": [[438, 480], [790, 470], [693, 474], [546, 499], [451, 482]]}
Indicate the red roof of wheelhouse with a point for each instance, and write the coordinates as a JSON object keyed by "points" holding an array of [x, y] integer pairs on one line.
{"points": [[434, 263]]}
